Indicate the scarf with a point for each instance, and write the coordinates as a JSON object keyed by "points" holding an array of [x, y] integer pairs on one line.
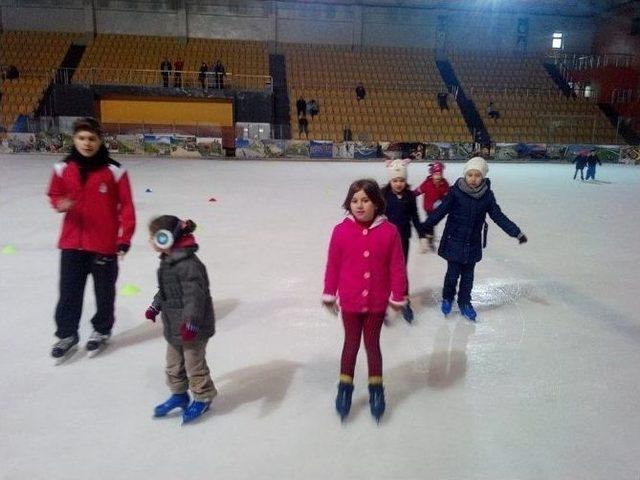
{"points": [[477, 192], [89, 164]]}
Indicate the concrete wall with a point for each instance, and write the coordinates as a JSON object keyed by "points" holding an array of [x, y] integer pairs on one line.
{"points": [[284, 21]]}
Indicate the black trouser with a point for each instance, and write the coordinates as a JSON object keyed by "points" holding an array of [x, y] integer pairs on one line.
{"points": [[165, 79], [75, 266], [578, 169], [465, 272]]}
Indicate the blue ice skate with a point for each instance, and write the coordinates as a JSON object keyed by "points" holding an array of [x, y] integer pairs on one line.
{"points": [[177, 400], [376, 400], [467, 311], [195, 410], [446, 306], [343, 400]]}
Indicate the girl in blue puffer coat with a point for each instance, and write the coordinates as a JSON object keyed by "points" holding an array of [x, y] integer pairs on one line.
{"points": [[467, 204]]}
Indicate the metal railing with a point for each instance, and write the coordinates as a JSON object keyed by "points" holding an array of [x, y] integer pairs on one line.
{"points": [[150, 77], [587, 62], [519, 91]]}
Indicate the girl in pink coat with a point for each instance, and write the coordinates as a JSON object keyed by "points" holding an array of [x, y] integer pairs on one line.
{"points": [[365, 273]]}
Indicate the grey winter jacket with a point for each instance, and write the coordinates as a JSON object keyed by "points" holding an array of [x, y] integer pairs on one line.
{"points": [[183, 295]]}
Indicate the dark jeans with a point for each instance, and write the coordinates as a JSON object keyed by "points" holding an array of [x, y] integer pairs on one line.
{"points": [[456, 270], [591, 172], [75, 267], [165, 79]]}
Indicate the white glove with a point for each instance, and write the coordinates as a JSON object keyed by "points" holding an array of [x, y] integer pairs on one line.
{"points": [[424, 245], [332, 308]]}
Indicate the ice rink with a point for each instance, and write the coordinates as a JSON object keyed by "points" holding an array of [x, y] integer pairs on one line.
{"points": [[544, 386]]}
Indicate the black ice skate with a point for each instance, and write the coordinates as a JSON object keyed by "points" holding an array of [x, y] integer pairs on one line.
{"points": [[97, 342], [64, 348]]}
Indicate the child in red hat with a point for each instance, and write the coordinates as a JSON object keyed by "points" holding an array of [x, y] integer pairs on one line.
{"points": [[433, 190]]}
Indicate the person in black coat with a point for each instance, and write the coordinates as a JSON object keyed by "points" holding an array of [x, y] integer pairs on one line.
{"points": [[467, 204], [580, 161], [401, 210], [301, 107], [592, 159]]}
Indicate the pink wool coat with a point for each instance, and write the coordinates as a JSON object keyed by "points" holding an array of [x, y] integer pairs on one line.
{"points": [[365, 267]]}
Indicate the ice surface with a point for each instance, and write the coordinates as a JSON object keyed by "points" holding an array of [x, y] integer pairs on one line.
{"points": [[545, 386]]}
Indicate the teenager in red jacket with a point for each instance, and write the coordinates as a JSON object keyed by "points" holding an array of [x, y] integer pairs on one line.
{"points": [[93, 193], [433, 190]]}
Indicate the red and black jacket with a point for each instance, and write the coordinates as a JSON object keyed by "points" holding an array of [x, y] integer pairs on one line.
{"points": [[102, 217]]}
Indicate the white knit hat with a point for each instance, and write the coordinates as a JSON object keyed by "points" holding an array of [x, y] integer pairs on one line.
{"points": [[397, 168], [476, 163]]}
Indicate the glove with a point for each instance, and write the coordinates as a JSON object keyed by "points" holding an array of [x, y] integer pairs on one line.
{"points": [[424, 245], [188, 332], [522, 238], [123, 248], [151, 313], [332, 308]]}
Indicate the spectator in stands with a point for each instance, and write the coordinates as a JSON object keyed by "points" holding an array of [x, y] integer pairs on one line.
{"points": [[202, 76], [301, 106], [592, 159], [492, 112], [12, 73], [219, 73], [177, 76], [360, 92], [485, 147], [442, 101], [347, 135], [314, 108], [303, 127], [165, 70], [580, 161]]}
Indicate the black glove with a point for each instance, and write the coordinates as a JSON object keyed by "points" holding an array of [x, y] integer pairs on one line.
{"points": [[123, 248], [522, 238]]}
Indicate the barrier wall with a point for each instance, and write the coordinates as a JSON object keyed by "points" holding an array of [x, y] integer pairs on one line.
{"points": [[191, 146]]}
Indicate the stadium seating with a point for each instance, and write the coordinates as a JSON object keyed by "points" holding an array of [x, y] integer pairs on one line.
{"points": [[110, 59], [532, 108], [36, 55], [400, 104]]}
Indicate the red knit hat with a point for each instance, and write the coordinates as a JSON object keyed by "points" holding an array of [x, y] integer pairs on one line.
{"points": [[436, 167]]}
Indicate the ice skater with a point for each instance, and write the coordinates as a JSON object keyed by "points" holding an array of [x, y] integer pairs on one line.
{"points": [[433, 190], [93, 193], [580, 161], [467, 204], [186, 309], [401, 210], [365, 274], [592, 159]]}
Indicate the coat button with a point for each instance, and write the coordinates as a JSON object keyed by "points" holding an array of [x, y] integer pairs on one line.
{"points": [[366, 254], [367, 274], [365, 293], [365, 231], [365, 309]]}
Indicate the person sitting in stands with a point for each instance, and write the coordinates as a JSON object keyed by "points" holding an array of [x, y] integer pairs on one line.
{"points": [[492, 112]]}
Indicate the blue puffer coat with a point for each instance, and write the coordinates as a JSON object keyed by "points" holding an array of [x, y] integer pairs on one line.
{"points": [[462, 237]]}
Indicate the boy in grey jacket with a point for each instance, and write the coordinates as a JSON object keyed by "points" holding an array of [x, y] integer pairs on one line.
{"points": [[186, 308]]}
